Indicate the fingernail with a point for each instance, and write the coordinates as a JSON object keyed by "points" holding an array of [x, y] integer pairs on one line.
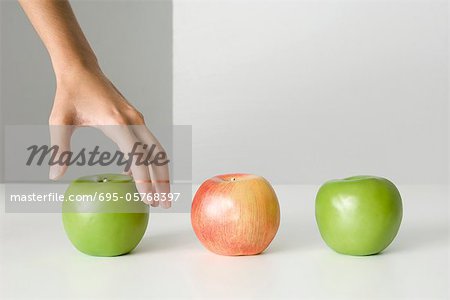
{"points": [[55, 172]]}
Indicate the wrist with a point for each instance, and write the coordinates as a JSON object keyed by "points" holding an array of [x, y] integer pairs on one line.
{"points": [[66, 61], [69, 69]]}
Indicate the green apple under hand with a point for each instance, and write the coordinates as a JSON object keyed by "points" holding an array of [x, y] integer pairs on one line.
{"points": [[104, 227], [358, 215]]}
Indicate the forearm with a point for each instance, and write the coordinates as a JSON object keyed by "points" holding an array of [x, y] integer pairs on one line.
{"points": [[61, 34]]}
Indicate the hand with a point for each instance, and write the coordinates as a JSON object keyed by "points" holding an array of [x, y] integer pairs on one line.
{"points": [[85, 97]]}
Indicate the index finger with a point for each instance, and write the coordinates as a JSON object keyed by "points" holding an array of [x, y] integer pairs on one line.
{"points": [[129, 144]]}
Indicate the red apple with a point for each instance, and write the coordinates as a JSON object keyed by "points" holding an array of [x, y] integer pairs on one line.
{"points": [[235, 214]]}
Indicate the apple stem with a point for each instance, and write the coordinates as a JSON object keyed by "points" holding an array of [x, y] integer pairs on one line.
{"points": [[233, 179]]}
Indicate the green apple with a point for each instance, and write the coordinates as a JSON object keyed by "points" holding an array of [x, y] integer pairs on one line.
{"points": [[358, 215], [103, 215]]}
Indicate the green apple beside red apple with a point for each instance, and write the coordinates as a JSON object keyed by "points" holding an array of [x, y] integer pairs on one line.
{"points": [[234, 214], [104, 227], [359, 215]]}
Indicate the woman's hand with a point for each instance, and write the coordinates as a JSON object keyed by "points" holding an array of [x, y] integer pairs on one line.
{"points": [[85, 97]]}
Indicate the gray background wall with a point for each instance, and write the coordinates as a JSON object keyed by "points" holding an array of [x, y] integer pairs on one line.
{"points": [[297, 91], [133, 42], [304, 91]]}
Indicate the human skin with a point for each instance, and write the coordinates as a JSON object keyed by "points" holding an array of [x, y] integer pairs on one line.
{"points": [[86, 97]]}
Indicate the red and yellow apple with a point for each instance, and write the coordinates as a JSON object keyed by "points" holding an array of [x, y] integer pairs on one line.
{"points": [[235, 214]]}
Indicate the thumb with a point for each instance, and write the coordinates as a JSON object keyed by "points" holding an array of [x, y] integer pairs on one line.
{"points": [[60, 136]]}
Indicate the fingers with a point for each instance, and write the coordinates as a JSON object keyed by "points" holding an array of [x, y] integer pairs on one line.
{"points": [[159, 168], [151, 177], [60, 136], [127, 172], [127, 142]]}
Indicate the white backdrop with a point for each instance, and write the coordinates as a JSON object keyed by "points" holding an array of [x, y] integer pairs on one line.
{"points": [[304, 91]]}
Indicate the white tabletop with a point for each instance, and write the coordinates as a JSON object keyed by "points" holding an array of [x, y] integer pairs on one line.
{"points": [[38, 261]]}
